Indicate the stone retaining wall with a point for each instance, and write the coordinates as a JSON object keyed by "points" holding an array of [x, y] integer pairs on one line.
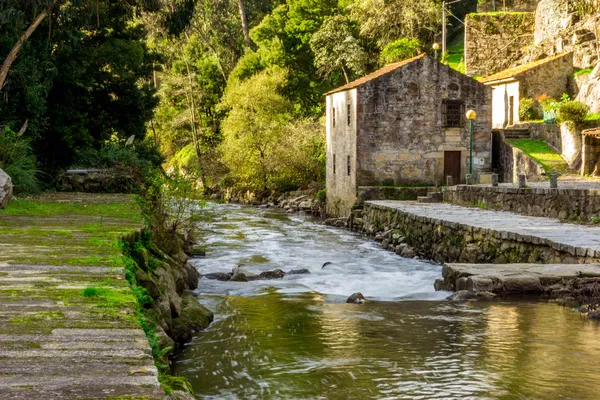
{"points": [[389, 193], [444, 241], [514, 162], [579, 204], [494, 41]]}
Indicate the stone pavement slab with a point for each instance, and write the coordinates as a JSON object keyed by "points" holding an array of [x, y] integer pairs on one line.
{"points": [[56, 343], [550, 230]]}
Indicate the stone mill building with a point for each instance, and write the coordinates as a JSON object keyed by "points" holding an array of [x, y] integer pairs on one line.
{"points": [[404, 125]]}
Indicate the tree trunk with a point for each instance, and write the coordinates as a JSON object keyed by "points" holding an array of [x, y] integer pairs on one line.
{"points": [[247, 39], [10, 58], [195, 137]]}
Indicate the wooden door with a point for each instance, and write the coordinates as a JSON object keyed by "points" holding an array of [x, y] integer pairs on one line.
{"points": [[511, 110], [452, 166]]}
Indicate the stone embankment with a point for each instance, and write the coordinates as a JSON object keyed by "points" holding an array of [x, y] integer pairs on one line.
{"points": [[294, 201], [449, 233]]}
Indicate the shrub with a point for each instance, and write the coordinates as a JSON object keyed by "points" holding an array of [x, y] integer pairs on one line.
{"points": [[19, 162], [134, 162], [547, 103], [528, 110], [322, 195], [574, 111], [400, 50]]}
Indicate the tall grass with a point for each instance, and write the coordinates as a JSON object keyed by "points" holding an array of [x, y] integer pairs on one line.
{"points": [[19, 162]]}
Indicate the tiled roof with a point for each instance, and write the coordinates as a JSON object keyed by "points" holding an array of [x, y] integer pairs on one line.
{"points": [[593, 132], [376, 74], [512, 72]]}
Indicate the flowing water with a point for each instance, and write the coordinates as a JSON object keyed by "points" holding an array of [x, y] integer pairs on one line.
{"points": [[296, 338]]}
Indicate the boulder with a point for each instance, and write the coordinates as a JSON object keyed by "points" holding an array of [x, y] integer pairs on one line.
{"points": [[440, 284], [356, 298], [276, 274], [179, 395], [219, 276], [595, 315], [6, 189], [299, 271], [241, 275], [467, 295], [197, 252], [192, 277], [194, 317], [305, 205], [408, 252]]}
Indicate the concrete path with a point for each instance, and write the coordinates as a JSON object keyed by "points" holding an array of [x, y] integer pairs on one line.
{"points": [[56, 343], [577, 236]]}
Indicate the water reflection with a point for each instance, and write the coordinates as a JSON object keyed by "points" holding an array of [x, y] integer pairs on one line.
{"points": [[296, 338], [302, 347]]}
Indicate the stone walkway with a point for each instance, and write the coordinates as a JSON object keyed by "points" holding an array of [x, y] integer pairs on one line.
{"points": [[577, 236], [56, 343]]}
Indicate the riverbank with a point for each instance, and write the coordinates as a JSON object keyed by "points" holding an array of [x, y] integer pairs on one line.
{"points": [[447, 233], [73, 320]]}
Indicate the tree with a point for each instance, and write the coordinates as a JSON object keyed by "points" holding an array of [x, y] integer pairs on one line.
{"points": [[400, 50], [386, 20], [337, 49], [253, 127], [12, 55]]}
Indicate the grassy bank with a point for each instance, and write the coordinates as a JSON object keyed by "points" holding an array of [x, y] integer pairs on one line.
{"points": [[545, 155]]}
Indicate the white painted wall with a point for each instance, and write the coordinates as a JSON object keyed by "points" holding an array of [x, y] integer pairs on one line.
{"points": [[341, 141], [501, 94]]}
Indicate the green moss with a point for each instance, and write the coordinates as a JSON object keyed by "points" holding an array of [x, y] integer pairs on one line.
{"points": [[582, 72]]}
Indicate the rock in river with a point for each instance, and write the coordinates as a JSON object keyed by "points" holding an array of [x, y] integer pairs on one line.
{"points": [[276, 274], [299, 271], [356, 298], [220, 276]]}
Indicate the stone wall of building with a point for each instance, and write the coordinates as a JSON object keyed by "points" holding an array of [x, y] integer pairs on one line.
{"points": [[444, 241], [550, 78], [514, 162], [494, 42], [401, 138], [341, 149], [507, 5], [577, 204]]}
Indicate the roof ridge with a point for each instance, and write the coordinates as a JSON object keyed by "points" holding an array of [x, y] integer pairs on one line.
{"points": [[519, 69], [376, 74]]}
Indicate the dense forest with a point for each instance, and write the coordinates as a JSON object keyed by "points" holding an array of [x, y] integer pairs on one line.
{"points": [[226, 92]]}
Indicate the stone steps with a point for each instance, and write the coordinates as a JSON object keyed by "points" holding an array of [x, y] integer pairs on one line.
{"points": [[432, 197]]}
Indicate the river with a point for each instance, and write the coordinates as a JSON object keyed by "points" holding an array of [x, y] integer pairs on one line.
{"points": [[296, 338]]}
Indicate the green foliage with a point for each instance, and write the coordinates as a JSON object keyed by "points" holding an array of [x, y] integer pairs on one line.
{"points": [[322, 195], [571, 110], [79, 82], [19, 162], [168, 206], [400, 50], [528, 110], [91, 292], [384, 21], [336, 48], [582, 72], [264, 147]]}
